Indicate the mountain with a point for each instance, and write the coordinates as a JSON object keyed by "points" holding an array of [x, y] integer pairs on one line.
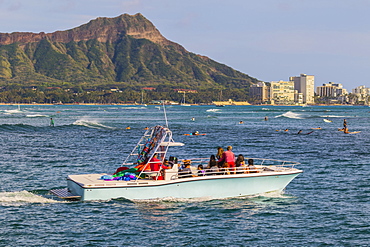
{"points": [[126, 50]]}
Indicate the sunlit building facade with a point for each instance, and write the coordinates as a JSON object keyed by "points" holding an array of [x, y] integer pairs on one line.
{"points": [[305, 84]]}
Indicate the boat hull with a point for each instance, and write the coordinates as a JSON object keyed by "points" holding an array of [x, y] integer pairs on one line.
{"points": [[207, 187]]}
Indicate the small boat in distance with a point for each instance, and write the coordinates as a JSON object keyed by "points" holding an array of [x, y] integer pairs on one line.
{"points": [[134, 180]]}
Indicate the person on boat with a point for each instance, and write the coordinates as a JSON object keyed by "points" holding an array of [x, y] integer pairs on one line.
{"points": [[186, 172], [251, 167], [240, 162], [220, 151], [51, 122], [228, 157], [212, 162], [156, 164], [166, 163], [201, 171]]}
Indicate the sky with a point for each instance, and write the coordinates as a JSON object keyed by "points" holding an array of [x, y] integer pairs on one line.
{"points": [[270, 40]]}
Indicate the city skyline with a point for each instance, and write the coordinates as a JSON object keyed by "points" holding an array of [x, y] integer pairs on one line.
{"points": [[269, 40]]}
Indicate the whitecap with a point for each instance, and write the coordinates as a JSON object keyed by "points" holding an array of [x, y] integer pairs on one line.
{"points": [[290, 114], [92, 124], [36, 115]]}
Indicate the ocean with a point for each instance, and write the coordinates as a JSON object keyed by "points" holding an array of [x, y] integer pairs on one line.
{"points": [[326, 205]]}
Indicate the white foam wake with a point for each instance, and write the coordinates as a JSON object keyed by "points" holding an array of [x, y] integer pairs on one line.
{"points": [[23, 197]]}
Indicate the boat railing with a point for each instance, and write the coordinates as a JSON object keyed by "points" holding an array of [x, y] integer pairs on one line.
{"points": [[260, 165], [256, 161]]}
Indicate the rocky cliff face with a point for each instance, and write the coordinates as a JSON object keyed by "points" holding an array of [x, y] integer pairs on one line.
{"points": [[101, 29], [127, 48]]}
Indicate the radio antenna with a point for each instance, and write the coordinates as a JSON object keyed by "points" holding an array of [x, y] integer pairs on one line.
{"points": [[165, 115]]}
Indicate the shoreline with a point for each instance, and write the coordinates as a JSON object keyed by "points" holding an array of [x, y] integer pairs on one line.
{"points": [[28, 104]]}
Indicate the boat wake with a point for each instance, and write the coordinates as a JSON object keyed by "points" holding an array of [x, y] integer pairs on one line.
{"points": [[290, 114], [23, 197], [92, 124]]}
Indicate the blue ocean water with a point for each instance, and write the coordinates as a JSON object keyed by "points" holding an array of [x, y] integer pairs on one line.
{"points": [[327, 205]]}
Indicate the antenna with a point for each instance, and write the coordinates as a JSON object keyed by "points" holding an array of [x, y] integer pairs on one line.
{"points": [[165, 115]]}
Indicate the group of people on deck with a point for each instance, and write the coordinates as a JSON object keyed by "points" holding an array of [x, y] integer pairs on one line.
{"points": [[225, 160]]}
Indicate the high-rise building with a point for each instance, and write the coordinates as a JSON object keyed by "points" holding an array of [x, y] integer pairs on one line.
{"points": [[361, 92], [305, 84], [330, 90], [282, 92], [259, 93]]}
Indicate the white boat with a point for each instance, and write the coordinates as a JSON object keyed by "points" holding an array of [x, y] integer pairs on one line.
{"points": [[268, 175]]}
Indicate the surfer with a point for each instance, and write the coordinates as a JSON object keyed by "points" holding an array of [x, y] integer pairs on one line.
{"points": [[299, 132], [241, 122], [344, 123], [195, 133], [51, 122], [193, 119], [266, 118], [128, 127]]}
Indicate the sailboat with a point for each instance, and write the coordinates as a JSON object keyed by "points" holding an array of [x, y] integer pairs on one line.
{"points": [[184, 104], [142, 99]]}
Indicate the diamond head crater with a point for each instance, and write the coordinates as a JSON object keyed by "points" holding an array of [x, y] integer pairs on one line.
{"points": [[111, 60]]}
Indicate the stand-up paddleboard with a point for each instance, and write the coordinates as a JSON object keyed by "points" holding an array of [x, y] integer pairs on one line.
{"points": [[353, 132], [350, 132]]}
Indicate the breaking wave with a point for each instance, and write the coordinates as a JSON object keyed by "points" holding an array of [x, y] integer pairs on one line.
{"points": [[92, 124], [213, 110], [290, 114]]}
